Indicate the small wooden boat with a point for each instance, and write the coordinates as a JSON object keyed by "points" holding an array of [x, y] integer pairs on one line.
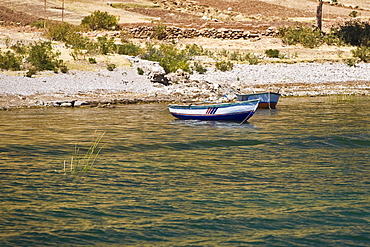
{"points": [[235, 111], [268, 100]]}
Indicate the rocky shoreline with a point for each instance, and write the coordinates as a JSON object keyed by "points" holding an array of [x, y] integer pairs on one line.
{"points": [[126, 86]]}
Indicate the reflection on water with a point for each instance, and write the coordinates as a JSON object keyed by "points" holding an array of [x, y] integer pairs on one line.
{"points": [[293, 176]]}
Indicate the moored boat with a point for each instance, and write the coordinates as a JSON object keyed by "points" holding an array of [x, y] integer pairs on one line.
{"points": [[234, 111], [268, 100]]}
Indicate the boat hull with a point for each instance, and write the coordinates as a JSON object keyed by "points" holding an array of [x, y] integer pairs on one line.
{"points": [[238, 111], [268, 100]]}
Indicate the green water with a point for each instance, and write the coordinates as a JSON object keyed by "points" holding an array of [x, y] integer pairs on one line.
{"points": [[295, 176]]}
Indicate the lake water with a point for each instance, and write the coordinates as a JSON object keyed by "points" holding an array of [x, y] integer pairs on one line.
{"points": [[298, 175]]}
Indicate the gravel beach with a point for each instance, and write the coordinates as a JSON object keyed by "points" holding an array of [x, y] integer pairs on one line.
{"points": [[125, 85]]}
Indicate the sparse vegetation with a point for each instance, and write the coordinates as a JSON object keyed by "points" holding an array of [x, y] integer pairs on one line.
{"points": [[35, 57], [42, 57], [129, 48], [100, 20], [140, 71], [309, 37], [198, 67], [106, 45], [60, 31], [92, 60], [159, 31], [169, 57], [224, 65], [362, 53], [111, 66], [353, 14], [351, 62], [272, 53], [252, 59], [10, 61], [353, 32]]}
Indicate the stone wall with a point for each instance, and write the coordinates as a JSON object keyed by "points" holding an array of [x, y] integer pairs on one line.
{"points": [[143, 32]]}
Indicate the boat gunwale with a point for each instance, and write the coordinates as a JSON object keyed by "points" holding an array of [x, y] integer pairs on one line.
{"points": [[220, 105], [249, 94], [216, 115]]}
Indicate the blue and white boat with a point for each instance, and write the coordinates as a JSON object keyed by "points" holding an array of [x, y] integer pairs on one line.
{"points": [[235, 111], [268, 100]]}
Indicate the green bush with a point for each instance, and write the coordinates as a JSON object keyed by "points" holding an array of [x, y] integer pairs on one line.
{"points": [[195, 50], [31, 72], [252, 59], [92, 60], [235, 56], [69, 34], [300, 34], [353, 14], [199, 68], [169, 57], [140, 71], [129, 49], [159, 31], [77, 41], [39, 23], [351, 62], [106, 45], [42, 57], [20, 48], [353, 32], [111, 66], [10, 61], [100, 20], [363, 53], [272, 53], [224, 65], [63, 69], [60, 31]]}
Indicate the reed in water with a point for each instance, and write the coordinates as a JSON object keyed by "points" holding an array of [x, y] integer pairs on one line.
{"points": [[84, 162]]}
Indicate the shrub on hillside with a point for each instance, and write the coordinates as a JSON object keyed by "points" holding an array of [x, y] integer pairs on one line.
{"points": [[300, 34], [111, 66], [198, 67], [363, 53], [42, 57], [272, 53], [169, 57], [140, 71], [309, 37], [252, 59], [60, 31], [353, 32], [100, 20], [159, 31], [129, 49], [224, 65], [20, 48], [195, 50], [10, 61], [106, 45]]}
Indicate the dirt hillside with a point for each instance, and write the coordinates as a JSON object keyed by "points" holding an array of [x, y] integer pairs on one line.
{"points": [[249, 14]]}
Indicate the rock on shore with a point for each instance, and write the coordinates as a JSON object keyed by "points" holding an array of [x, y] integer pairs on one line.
{"points": [[127, 86]]}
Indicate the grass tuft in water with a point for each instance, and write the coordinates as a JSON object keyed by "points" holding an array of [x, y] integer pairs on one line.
{"points": [[84, 162]]}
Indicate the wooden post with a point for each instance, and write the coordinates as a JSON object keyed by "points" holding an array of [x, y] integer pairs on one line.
{"points": [[319, 15], [44, 14], [62, 10]]}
